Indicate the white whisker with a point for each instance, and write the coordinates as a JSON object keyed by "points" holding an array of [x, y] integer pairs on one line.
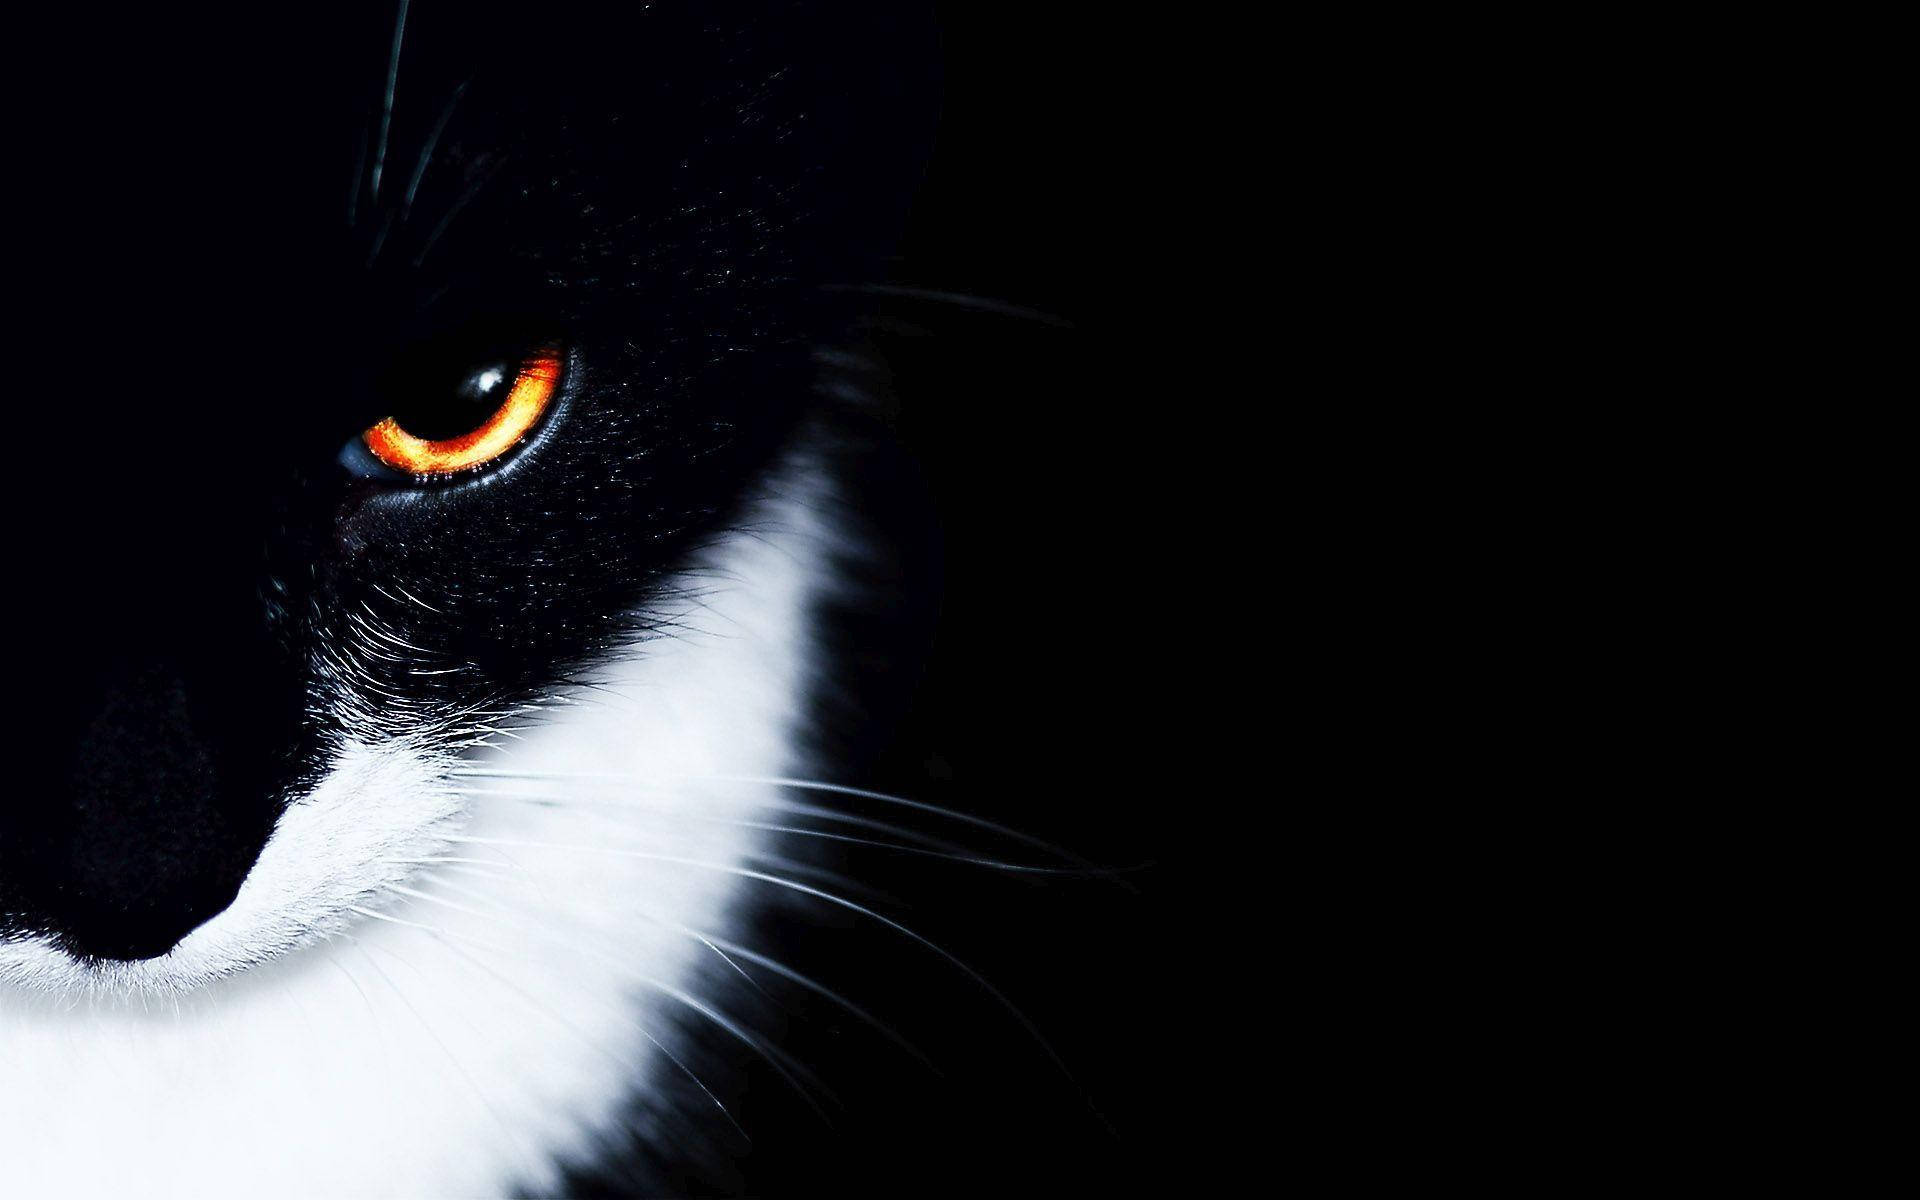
{"points": [[669, 817], [813, 985], [793, 885], [386, 105], [812, 785], [781, 1062], [433, 1035], [587, 1040]]}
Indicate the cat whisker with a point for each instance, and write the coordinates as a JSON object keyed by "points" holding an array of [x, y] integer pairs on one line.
{"points": [[373, 1016], [444, 858], [489, 875], [812, 785], [738, 969], [794, 867], [373, 255], [840, 789], [553, 1014], [426, 155], [414, 893], [359, 179], [954, 960], [779, 1060], [386, 105], [797, 831], [440, 228], [955, 299], [437, 880], [820, 989], [728, 951], [427, 1027], [391, 920], [835, 815], [446, 939]]}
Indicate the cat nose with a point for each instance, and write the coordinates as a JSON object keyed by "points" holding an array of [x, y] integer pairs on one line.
{"points": [[147, 846], [164, 718]]}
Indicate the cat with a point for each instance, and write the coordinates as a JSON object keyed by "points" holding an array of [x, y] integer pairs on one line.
{"points": [[486, 429]]}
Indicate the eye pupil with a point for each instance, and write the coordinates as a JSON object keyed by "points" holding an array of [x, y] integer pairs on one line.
{"points": [[445, 411]]}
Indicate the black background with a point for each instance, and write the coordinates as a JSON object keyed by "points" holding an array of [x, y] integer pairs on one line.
{"points": [[1025, 400]]}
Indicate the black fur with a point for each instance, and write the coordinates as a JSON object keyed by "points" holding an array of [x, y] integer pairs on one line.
{"points": [[217, 299], [661, 190]]}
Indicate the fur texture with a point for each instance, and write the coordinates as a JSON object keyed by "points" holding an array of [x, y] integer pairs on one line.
{"points": [[461, 976]]}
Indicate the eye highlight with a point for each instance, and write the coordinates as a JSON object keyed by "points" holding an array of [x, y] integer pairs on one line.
{"points": [[504, 426]]}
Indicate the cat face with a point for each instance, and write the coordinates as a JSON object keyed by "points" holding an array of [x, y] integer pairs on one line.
{"points": [[461, 552], [249, 619]]}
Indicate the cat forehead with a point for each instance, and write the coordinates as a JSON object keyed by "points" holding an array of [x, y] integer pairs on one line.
{"points": [[227, 141], [253, 215]]}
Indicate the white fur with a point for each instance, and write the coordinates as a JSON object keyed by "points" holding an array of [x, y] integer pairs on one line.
{"points": [[298, 1046]]}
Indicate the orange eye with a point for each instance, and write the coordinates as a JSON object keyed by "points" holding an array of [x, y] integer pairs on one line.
{"points": [[498, 433]]}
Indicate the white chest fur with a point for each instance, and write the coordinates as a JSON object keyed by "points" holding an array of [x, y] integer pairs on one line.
{"points": [[441, 1028]]}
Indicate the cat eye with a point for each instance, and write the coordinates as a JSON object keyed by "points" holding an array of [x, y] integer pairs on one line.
{"points": [[490, 412]]}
